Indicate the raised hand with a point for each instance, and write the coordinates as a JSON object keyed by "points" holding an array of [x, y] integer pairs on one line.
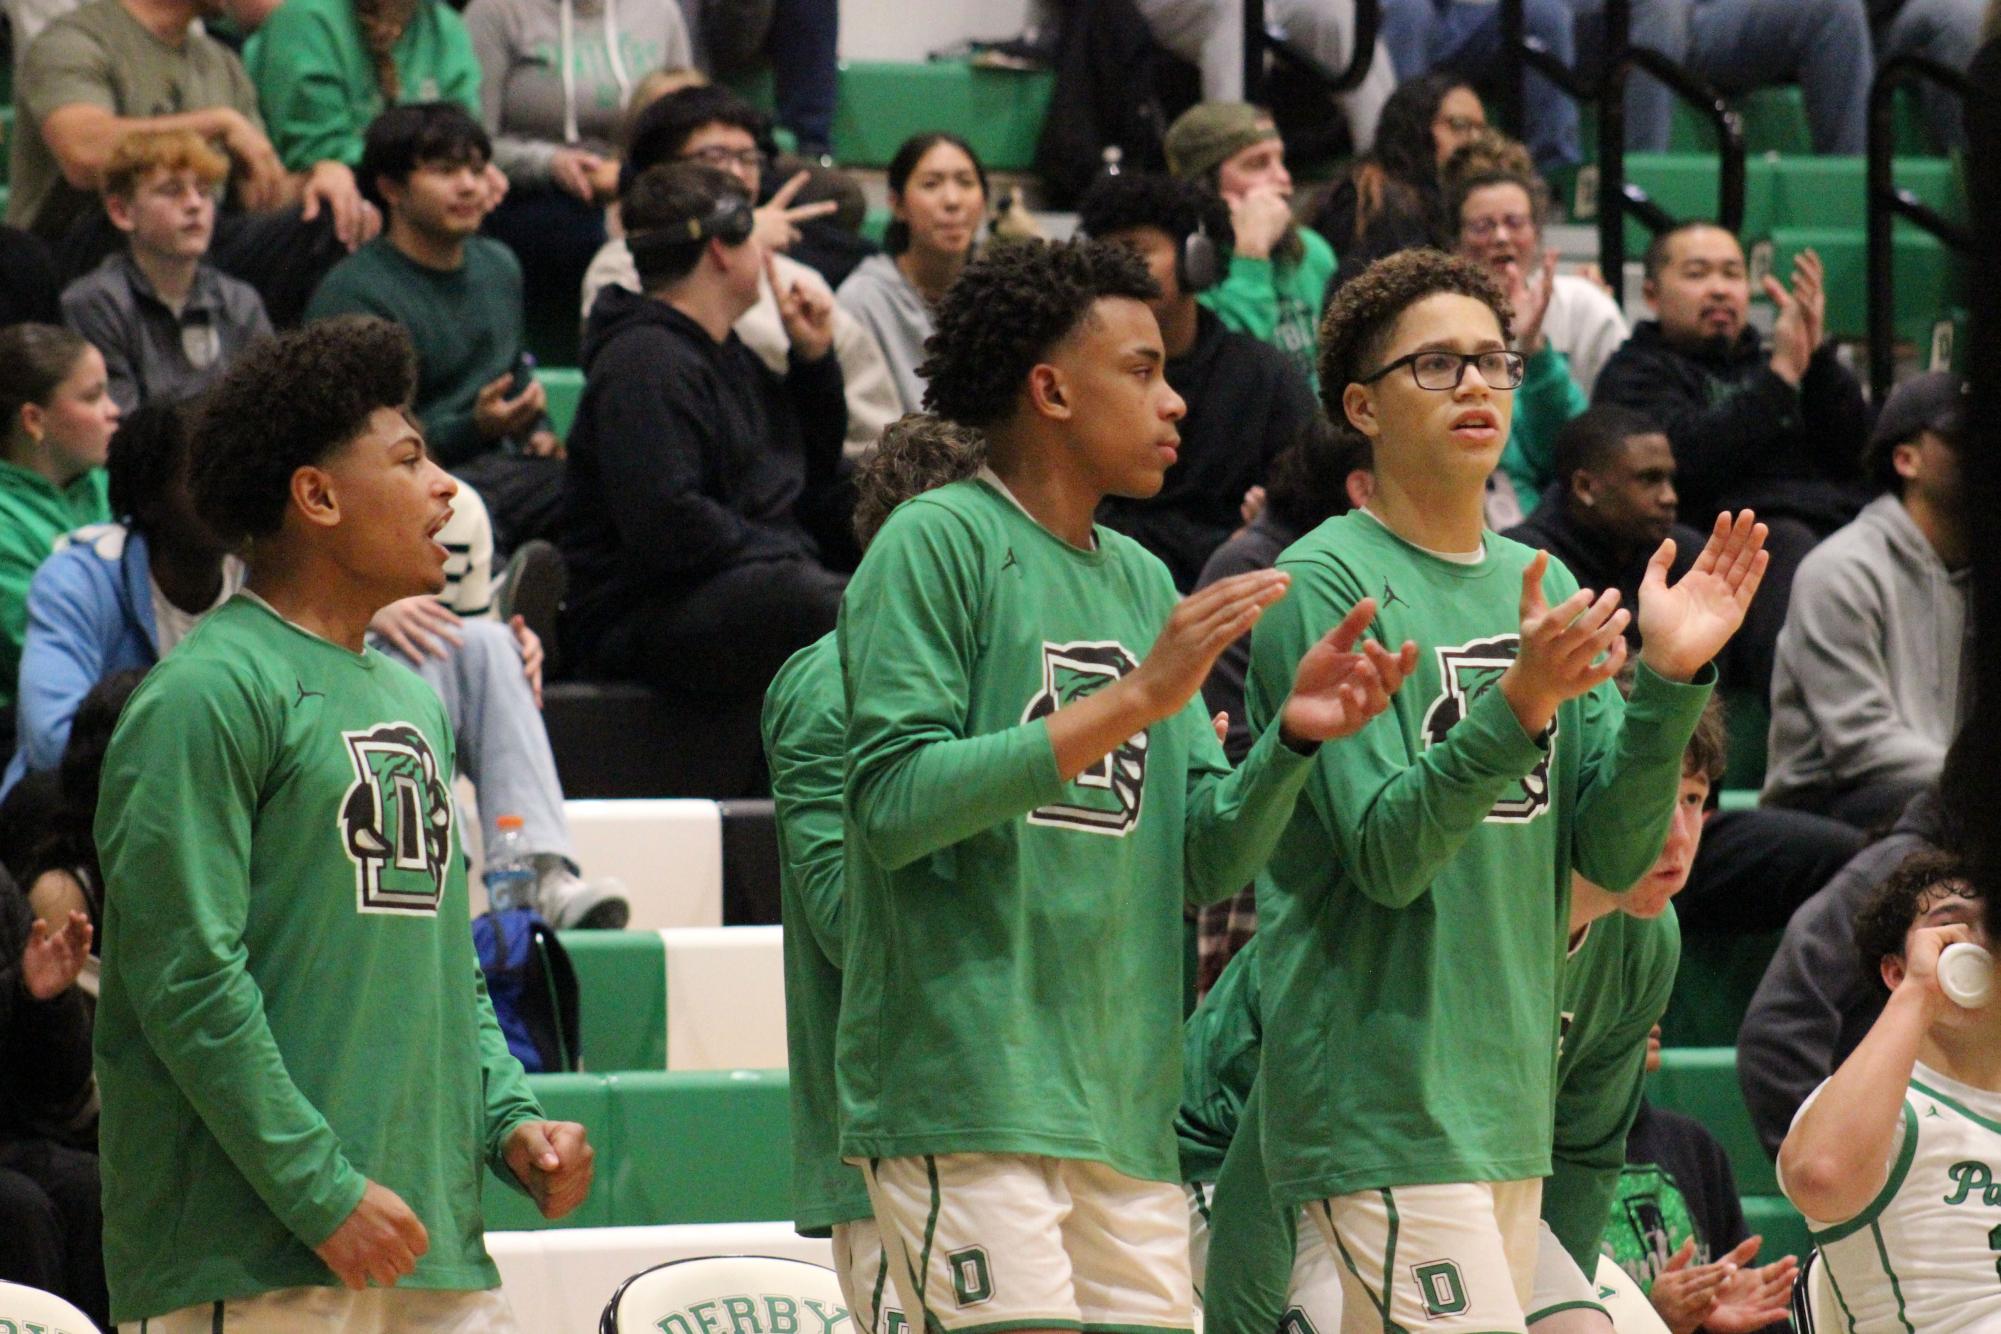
{"points": [[1259, 217], [51, 960], [1530, 295], [1684, 625], [1337, 688], [380, 1242], [778, 221], [1201, 626], [553, 1159], [1566, 650], [1802, 324], [808, 314], [1683, 1296]]}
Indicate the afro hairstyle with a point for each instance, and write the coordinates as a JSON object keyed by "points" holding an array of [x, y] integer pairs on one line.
{"points": [[1007, 310], [289, 402]]}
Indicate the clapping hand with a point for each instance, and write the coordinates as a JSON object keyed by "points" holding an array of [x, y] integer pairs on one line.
{"points": [[1684, 625], [1337, 687], [53, 959]]}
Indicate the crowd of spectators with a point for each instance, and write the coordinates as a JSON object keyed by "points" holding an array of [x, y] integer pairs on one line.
{"points": [[188, 174]]}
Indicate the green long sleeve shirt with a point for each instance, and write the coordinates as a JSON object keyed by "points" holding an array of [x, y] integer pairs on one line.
{"points": [[465, 323], [291, 1005], [1416, 911], [1615, 989], [805, 744], [1219, 1061], [1278, 302], [1546, 399], [316, 83], [34, 513], [1013, 967]]}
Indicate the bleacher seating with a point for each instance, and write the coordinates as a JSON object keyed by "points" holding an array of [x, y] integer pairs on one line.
{"points": [[668, 852], [620, 739]]}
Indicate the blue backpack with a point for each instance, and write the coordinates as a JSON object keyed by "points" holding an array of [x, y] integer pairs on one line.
{"points": [[533, 986]]}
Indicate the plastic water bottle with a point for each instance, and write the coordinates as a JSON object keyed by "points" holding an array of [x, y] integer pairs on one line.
{"points": [[510, 874]]}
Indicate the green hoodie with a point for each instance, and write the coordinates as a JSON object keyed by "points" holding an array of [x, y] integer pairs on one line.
{"points": [[34, 512], [317, 86]]}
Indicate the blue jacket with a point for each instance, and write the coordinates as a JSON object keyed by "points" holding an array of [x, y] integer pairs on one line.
{"points": [[90, 613]]}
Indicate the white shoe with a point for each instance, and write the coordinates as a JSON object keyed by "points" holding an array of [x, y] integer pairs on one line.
{"points": [[569, 902]]}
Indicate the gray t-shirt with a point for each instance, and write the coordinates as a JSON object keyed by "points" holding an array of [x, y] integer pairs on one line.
{"points": [[608, 46], [101, 56]]}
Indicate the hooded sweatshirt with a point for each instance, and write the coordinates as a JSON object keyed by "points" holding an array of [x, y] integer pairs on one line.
{"points": [[1868, 677], [889, 307], [560, 72], [688, 457]]}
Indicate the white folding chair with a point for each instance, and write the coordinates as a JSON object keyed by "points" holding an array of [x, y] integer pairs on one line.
{"points": [[759, 1289], [23, 1308]]}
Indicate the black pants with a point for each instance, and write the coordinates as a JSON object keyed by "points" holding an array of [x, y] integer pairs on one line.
{"points": [[52, 1224], [1756, 866], [727, 638], [278, 253], [522, 493]]}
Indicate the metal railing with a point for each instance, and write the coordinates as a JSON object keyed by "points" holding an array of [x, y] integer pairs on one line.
{"points": [[1260, 38], [1619, 197], [1887, 203]]}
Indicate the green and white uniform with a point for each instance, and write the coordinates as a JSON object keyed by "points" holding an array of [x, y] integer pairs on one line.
{"points": [[1922, 1256], [1219, 1062], [1615, 988], [291, 1005], [805, 731], [1013, 977], [1417, 908]]}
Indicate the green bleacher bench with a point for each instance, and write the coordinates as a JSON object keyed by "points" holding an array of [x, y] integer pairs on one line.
{"points": [[697, 1147], [1779, 191], [1701, 1083], [882, 103], [1774, 122], [1930, 280], [564, 386], [622, 1006], [1720, 970]]}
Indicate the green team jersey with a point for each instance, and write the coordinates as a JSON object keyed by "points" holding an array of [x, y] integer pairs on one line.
{"points": [[1615, 988], [805, 731], [1219, 1059], [290, 1002], [1417, 907], [1013, 976]]}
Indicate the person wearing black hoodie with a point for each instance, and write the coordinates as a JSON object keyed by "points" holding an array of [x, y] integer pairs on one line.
{"points": [[1778, 429], [702, 506]]}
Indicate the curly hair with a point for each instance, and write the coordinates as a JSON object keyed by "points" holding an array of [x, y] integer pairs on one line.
{"points": [[288, 402], [1363, 315], [1490, 159], [1179, 208], [148, 453], [1007, 310], [1893, 907], [918, 453]]}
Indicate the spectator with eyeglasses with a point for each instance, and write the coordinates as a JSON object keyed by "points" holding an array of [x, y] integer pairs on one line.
{"points": [[1777, 426], [713, 127]]}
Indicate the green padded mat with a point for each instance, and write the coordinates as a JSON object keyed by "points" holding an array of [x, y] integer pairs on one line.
{"points": [[1701, 1082], [622, 986], [697, 1147]]}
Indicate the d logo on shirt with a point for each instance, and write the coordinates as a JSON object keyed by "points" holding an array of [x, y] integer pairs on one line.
{"points": [[1466, 671], [1070, 672], [396, 821]]}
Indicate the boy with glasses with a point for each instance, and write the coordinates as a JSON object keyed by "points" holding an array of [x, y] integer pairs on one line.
{"points": [[166, 320], [1415, 911]]}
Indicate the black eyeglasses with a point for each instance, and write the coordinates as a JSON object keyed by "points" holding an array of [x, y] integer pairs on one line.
{"points": [[1443, 371]]}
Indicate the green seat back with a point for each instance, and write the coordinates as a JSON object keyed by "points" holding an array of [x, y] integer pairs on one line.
{"points": [[564, 386], [1701, 1082], [622, 982]]}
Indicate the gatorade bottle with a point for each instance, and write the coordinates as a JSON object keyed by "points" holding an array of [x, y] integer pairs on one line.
{"points": [[510, 874]]}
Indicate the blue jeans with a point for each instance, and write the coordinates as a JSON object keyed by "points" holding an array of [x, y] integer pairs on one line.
{"points": [[1738, 45], [1948, 31], [1465, 38]]}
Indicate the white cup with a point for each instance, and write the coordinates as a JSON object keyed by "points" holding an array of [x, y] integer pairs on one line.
{"points": [[1966, 974]]}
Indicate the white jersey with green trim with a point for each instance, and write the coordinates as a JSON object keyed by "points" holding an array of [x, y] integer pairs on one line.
{"points": [[1925, 1256]]}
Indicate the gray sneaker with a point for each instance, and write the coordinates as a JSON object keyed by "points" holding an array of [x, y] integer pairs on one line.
{"points": [[569, 902]]}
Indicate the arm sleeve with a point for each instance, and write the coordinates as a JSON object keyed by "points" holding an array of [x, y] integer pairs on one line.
{"points": [[526, 161], [804, 742], [1395, 817], [178, 878], [1252, 1241], [1715, 444], [1838, 640], [311, 111], [508, 1099], [867, 385], [1631, 772], [92, 314], [651, 433], [62, 657], [66, 67], [1247, 298], [1235, 817], [1836, 415], [821, 407], [918, 780], [1596, 1105], [1548, 397]]}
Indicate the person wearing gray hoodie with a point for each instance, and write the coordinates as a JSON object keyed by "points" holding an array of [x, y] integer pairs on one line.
{"points": [[1871, 670]]}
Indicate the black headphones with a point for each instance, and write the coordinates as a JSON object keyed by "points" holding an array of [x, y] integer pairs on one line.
{"points": [[1199, 268], [731, 222]]}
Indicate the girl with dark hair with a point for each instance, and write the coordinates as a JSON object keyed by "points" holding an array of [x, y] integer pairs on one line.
{"points": [[1389, 201], [56, 419], [937, 196]]}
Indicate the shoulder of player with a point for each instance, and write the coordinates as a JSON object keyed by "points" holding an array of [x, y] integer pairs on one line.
{"points": [[963, 516], [813, 670]]}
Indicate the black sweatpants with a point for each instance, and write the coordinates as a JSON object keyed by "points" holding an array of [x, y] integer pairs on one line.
{"points": [[52, 1224]]}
